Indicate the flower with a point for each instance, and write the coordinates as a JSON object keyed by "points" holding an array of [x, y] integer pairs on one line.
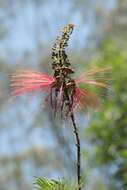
{"points": [[84, 98], [27, 81]]}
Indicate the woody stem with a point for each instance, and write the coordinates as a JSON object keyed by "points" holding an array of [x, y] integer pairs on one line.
{"points": [[78, 151]]}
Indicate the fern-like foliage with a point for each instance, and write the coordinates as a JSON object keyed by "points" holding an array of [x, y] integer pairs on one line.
{"points": [[46, 184]]}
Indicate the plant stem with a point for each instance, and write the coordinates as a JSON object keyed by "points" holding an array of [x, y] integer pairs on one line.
{"points": [[78, 151]]}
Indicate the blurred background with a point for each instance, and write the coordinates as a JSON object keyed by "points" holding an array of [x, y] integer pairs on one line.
{"points": [[32, 143]]}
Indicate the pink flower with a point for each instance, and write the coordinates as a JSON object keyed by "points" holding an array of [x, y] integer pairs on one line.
{"points": [[27, 81], [84, 98]]}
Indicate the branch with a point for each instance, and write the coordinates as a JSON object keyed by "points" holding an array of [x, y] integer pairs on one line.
{"points": [[78, 151]]}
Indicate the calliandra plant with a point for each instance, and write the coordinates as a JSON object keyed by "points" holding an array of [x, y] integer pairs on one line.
{"points": [[64, 93]]}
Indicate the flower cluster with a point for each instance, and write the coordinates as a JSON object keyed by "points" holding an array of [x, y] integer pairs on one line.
{"points": [[64, 91]]}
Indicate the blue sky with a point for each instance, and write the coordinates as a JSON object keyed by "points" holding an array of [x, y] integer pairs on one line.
{"points": [[31, 23]]}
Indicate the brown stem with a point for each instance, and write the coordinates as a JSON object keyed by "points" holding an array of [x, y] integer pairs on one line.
{"points": [[78, 151]]}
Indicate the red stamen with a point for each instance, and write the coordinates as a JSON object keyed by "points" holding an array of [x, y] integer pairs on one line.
{"points": [[28, 81]]}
